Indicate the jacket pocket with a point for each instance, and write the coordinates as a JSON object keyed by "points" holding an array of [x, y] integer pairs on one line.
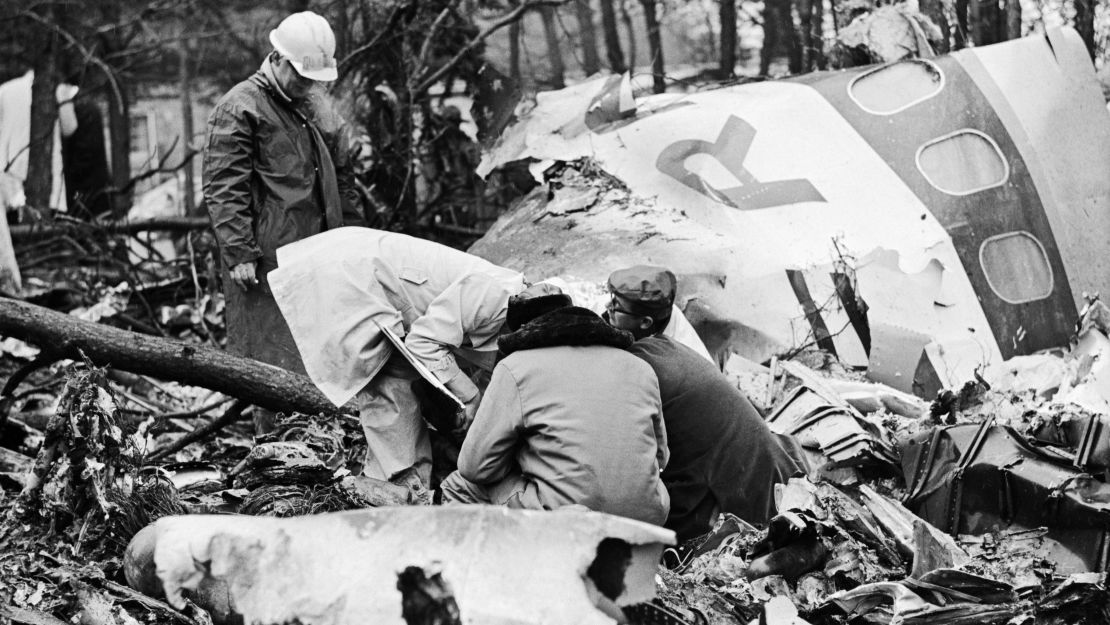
{"points": [[413, 275]]}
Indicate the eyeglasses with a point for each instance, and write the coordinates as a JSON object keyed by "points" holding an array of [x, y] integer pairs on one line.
{"points": [[612, 307]]}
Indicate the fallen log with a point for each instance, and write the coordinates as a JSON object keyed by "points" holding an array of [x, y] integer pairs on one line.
{"points": [[197, 365], [28, 232]]}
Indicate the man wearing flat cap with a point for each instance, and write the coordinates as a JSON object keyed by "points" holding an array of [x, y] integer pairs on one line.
{"points": [[650, 298], [723, 456]]}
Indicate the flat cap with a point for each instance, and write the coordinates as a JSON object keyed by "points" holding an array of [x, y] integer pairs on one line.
{"points": [[649, 288]]}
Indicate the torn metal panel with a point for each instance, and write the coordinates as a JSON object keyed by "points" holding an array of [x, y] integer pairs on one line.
{"points": [[869, 398], [779, 610], [934, 179], [980, 478], [1088, 384], [933, 549], [841, 433], [502, 566], [942, 596]]}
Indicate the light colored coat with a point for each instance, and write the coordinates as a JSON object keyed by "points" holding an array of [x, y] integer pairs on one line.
{"points": [[334, 289], [572, 425]]}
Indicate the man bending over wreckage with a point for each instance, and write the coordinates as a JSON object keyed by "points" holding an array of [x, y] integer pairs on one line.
{"points": [[341, 291], [723, 456], [570, 417]]}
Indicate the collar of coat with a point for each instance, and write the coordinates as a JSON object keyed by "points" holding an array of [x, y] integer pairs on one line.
{"points": [[270, 78], [571, 325], [266, 79]]}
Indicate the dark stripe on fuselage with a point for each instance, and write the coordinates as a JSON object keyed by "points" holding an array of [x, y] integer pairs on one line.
{"points": [[821, 335], [969, 219]]}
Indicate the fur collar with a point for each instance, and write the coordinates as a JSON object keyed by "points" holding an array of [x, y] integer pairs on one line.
{"points": [[571, 325]]}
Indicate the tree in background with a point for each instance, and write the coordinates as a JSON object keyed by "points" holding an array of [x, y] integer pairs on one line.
{"points": [[729, 25], [591, 63], [655, 46], [557, 79], [630, 31], [612, 38], [108, 47], [45, 49]]}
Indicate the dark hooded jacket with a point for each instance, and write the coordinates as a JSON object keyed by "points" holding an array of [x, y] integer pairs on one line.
{"points": [[574, 417], [274, 172], [723, 456]]}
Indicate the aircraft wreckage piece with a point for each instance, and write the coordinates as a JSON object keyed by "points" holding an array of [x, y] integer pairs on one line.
{"points": [[983, 478], [962, 198], [837, 430], [499, 565]]}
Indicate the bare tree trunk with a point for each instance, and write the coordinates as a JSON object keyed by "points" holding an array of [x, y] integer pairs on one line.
{"points": [[1013, 19], [805, 32], [44, 112], [119, 131], [184, 53], [817, 36], [514, 50], [974, 24], [934, 10], [591, 64], [655, 45], [612, 38], [794, 39], [989, 23], [727, 66], [770, 36], [1085, 23], [367, 20], [119, 121], [630, 31], [554, 51], [342, 29]]}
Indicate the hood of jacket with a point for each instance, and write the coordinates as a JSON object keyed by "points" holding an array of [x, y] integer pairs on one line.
{"points": [[568, 326]]}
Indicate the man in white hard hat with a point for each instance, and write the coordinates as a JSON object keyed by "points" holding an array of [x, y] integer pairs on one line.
{"points": [[276, 170]]}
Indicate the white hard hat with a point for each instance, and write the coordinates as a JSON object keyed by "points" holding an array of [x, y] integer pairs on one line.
{"points": [[306, 39]]}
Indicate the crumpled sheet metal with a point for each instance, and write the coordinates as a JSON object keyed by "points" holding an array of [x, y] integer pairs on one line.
{"points": [[843, 435], [942, 596], [980, 478], [503, 566]]}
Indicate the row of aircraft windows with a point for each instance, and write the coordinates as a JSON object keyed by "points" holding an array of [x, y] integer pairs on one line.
{"points": [[960, 163]]}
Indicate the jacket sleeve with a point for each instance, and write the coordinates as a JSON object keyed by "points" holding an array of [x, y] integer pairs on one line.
{"points": [[489, 452], [227, 169], [473, 304], [662, 450], [345, 179]]}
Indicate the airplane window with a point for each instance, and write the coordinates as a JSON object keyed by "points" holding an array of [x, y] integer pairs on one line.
{"points": [[1016, 267], [894, 88], [963, 163]]}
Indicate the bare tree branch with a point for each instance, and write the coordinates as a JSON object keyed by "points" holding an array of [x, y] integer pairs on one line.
{"points": [[502, 22], [345, 63], [89, 56], [426, 49]]}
